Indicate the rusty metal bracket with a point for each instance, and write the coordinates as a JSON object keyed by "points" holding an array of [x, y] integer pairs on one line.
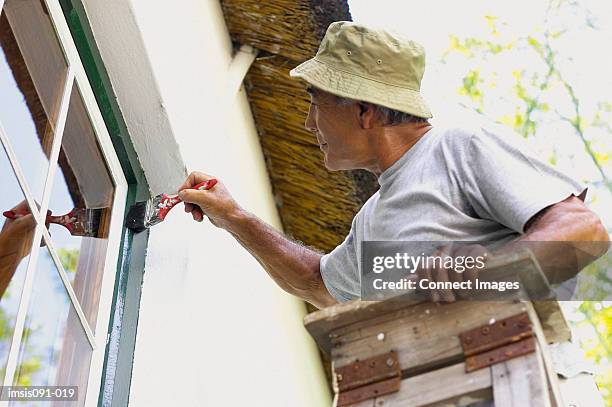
{"points": [[497, 342], [369, 378]]}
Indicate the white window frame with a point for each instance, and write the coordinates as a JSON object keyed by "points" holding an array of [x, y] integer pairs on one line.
{"points": [[75, 76]]}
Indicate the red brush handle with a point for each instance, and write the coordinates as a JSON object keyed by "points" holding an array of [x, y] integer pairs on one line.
{"points": [[168, 202], [64, 220], [12, 214]]}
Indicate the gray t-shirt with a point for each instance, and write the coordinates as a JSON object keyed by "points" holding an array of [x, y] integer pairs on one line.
{"points": [[454, 184]]}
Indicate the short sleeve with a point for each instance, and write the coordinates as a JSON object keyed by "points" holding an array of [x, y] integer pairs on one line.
{"points": [[509, 184], [339, 269]]}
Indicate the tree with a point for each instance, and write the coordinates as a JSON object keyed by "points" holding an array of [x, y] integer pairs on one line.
{"points": [[521, 82]]}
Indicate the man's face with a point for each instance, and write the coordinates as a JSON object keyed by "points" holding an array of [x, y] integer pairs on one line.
{"points": [[337, 129]]}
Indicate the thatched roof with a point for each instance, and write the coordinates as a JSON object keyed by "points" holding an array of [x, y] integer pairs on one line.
{"points": [[316, 206]]}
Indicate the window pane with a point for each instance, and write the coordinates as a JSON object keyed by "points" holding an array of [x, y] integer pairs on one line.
{"points": [[32, 76], [54, 350], [84, 187], [15, 245]]}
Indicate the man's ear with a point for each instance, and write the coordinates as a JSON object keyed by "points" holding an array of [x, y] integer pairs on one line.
{"points": [[367, 115]]}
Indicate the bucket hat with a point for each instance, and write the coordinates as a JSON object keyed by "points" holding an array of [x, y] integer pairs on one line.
{"points": [[370, 65]]}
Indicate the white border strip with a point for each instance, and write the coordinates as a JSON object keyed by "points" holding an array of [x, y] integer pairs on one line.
{"points": [[57, 141]]}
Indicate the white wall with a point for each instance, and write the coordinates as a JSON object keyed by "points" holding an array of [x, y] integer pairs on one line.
{"points": [[214, 330]]}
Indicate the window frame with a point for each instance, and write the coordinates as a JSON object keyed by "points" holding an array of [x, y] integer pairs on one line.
{"points": [[75, 76], [117, 373]]}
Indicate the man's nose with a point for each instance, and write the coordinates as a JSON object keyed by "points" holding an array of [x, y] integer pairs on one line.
{"points": [[310, 122]]}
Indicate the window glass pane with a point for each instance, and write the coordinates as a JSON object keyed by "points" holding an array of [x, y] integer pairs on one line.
{"points": [[15, 245], [32, 76], [82, 188], [54, 349]]}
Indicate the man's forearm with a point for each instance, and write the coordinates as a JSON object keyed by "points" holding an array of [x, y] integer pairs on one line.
{"points": [[565, 238], [293, 267]]}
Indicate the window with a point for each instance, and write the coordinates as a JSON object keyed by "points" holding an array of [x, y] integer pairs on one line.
{"points": [[56, 281]]}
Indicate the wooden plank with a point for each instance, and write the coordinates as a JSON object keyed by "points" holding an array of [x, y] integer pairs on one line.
{"points": [[367, 392], [425, 336], [554, 324], [520, 382], [365, 403], [449, 386], [320, 324], [544, 354]]}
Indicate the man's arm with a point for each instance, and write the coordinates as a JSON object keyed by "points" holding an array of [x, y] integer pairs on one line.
{"points": [[15, 244], [565, 237], [295, 268], [569, 220]]}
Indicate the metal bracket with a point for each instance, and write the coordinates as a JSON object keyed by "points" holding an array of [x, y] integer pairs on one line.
{"points": [[497, 342], [369, 378]]}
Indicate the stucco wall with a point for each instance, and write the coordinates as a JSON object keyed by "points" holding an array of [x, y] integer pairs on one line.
{"points": [[214, 330]]}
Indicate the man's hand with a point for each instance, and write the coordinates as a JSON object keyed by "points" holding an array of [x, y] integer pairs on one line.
{"points": [[15, 243], [16, 235], [437, 272], [216, 203]]}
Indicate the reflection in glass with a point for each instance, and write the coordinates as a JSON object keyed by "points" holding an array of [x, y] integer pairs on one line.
{"points": [[15, 245], [32, 76], [54, 350], [83, 189]]}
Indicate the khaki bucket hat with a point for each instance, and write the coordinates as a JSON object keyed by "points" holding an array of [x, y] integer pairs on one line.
{"points": [[369, 65]]}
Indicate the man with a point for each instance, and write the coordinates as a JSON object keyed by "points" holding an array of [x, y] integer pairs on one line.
{"points": [[435, 184]]}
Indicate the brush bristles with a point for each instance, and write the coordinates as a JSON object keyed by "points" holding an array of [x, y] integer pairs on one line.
{"points": [[90, 222], [143, 215], [135, 217]]}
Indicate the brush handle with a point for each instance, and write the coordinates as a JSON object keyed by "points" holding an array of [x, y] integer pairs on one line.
{"points": [[66, 220], [168, 202]]}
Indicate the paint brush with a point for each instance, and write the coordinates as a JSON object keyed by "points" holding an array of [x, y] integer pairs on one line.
{"points": [[79, 221], [143, 215]]}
